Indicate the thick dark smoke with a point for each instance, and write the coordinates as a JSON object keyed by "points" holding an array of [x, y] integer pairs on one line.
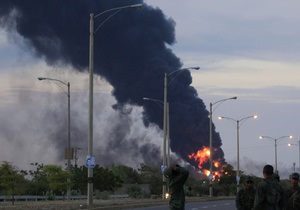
{"points": [[131, 53]]}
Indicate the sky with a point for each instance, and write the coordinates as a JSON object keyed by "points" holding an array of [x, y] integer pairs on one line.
{"points": [[244, 49], [251, 51]]}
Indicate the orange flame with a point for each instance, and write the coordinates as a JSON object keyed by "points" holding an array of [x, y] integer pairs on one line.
{"points": [[202, 156], [206, 172]]}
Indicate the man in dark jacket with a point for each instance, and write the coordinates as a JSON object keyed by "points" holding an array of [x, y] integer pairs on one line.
{"points": [[293, 194], [177, 176], [245, 197], [269, 194]]}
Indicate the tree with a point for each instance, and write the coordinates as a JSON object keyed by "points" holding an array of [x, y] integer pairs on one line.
{"points": [[38, 184], [104, 179], [79, 179], [127, 174], [48, 178], [228, 175], [57, 179], [152, 175], [12, 181]]}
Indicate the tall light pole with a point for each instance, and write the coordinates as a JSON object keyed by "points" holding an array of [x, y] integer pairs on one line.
{"points": [[210, 140], [160, 103], [69, 132], [276, 141], [298, 147], [168, 134], [238, 125], [165, 117], [91, 90]]}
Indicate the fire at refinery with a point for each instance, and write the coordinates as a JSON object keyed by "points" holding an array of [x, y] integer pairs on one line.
{"points": [[202, 157], [132, 53]]}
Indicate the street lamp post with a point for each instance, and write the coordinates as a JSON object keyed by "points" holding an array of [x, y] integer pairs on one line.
{"points": [[210, 140], [299, 150], [276, 141], [238, 125], [69, 132], [160, 103], [168, 134], [165, 118], [91, 90]]}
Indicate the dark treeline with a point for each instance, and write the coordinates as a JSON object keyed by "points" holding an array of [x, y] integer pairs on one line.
{"points": [[51, 181]]}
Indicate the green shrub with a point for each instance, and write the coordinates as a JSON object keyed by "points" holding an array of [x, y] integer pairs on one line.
{"points": [[134, 192]]}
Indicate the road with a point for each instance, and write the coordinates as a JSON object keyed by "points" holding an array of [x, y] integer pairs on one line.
{"points": [[214, 205]]}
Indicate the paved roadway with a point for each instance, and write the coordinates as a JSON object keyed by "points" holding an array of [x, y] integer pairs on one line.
{"points": [[213, 205]]}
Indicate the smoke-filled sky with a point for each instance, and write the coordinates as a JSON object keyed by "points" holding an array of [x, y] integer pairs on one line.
{"points": [[244, 50]]}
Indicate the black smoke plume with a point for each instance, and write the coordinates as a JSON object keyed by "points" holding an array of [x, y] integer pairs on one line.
{"points": [[131, 52]]}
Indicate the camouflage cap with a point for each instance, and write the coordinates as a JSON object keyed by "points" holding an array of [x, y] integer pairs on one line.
{"points": [[294, 175]]}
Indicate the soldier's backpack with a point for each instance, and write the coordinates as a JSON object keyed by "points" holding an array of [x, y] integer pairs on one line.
{"points": [[273, 191]]}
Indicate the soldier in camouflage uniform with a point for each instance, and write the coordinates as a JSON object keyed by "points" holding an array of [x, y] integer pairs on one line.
{"points": [[293, 199], [269, 194], [245, 197], [177, 176]]}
